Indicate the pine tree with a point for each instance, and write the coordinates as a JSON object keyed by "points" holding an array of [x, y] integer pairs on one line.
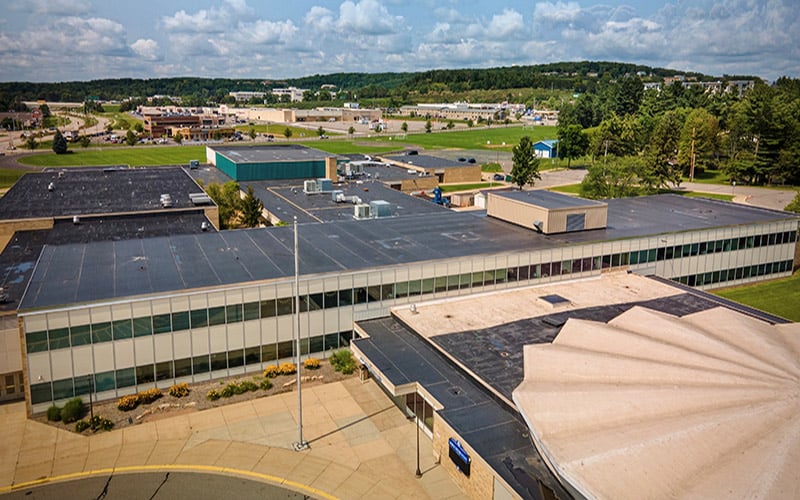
{"points": [[59, 143], [251, 209], [526, 163]]}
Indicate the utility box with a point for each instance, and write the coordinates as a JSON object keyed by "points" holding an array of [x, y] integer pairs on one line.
{"points": [[193, 164], [380, 208]]}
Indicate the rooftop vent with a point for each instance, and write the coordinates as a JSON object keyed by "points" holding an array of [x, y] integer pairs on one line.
{"points": [[204, 226], [554, 300], [166, 201], [76, 220], [51, 187]]}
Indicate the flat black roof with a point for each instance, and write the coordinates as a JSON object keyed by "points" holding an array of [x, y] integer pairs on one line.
{"points": [[75, 273], [427, 161], [496, 432], [278, 152], [548, 199], [96, 191], [287, 201]]}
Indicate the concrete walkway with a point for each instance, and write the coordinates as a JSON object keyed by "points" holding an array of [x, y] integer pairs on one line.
{"points": [[361, 446]]}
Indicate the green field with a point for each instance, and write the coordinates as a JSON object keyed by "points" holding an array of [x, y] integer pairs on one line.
{"points": [[483, 138], [450, 188], [576, 189], [135, 156], [9, 176], [779, 297], [120, 121]]}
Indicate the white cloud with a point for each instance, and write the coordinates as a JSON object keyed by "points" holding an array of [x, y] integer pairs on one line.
{"points": [[368, 17], [207, 21], [319, 18], [559, 12], [261, 32], [53, 7], [146, 48], [505, 24]]}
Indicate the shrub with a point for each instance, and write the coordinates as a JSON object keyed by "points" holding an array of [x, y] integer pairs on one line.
{"points": [[99, 423], [238, 388], [272, 371], [343, 362], [227, 391], [72, 411], [266, 384], [54, 413], [128, 403], [150, 395], [311, 364], [179, 390], [288, 369], [213, 395], [81, 425]]}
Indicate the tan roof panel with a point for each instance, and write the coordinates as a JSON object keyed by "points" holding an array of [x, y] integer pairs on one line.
{"points": [[654, 406]]}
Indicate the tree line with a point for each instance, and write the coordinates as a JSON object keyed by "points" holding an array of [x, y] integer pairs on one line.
{"points": [[644, 141]]}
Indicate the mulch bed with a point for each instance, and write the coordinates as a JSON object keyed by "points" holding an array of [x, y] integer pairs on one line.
{"points": [[196, 400]]}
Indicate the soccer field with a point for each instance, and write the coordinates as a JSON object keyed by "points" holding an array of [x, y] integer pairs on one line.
{"points": [[135, 156]]}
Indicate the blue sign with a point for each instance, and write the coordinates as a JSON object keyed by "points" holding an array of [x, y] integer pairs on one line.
{"points": [[459, 456]]}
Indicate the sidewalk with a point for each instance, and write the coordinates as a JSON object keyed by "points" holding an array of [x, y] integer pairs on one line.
{"points": [[361, 446]]}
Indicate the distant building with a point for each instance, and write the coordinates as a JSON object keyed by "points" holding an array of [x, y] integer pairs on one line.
{"points": [[246, 95], [295, 94], [546, 149]]}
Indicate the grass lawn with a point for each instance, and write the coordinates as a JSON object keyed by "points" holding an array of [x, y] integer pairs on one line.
{"points": [[779, 297], [9, 176], [135, 156], [576, 189], [274, 129], [120, 121], [465, 187], [349, 147], [484, 138]]}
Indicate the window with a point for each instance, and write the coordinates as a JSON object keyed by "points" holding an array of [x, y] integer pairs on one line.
{"points": [[101, 332], [145, 374], [62, 389], [180, 321], [104, 381], [269, 352], [251, 311], [36, 341], [199, 318], [252, 355], [216, 315], [331, 299], [183, 367], [126, 377], [285, 306], [164, 370], [162, 323], [233, 313], [285, 349], [41, 393], [219, 361], [268, 308], [235, 358], [59, 338], [142, 326], [122, 329], [200, 364], [80, 335]]}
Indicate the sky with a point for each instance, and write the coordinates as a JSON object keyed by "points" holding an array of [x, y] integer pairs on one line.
{"points": [[68, 40]]}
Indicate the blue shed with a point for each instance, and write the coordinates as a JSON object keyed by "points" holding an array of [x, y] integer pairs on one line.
{"points": [[546, 149]]}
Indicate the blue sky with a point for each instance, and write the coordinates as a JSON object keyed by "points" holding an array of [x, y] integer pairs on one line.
{"points": [[62, 40]]}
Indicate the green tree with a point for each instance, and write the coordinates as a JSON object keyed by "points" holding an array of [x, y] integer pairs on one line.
{"points": [[251, 209], [794, 205], [613, 177], [699, 137], [351, 130], [526, 164], [178, 137], [450, 124], [287, 132], [404, 127], [130, 138], [59, 143], [470, 123], [572, 143], [45, 110], [252, 133], [661, 152], [31, 143], [138, 128], [428, 126], [85, 141], [320, 131], [227, 198]]}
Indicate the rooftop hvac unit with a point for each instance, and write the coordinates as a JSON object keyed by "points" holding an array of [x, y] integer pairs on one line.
{"points": [[337, 196], [311, 186], [361, 211], [166, 201], [200, 199], [380, 208], [325, 185]]}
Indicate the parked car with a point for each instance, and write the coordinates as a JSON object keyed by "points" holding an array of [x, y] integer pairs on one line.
{"points": [[499, 177]]}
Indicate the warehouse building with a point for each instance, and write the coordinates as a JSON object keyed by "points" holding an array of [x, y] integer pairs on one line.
{"points": [[275, 162], [138, 313]]}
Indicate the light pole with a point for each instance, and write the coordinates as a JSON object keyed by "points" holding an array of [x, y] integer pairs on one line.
{"points": [[91, 389], [300, 444]]}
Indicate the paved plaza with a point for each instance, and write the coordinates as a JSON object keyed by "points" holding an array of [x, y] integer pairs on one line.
{"points": [[361, 446]]}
